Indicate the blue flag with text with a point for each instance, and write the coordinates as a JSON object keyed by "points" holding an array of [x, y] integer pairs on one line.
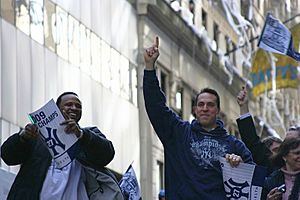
{"points": [[129, 185]]}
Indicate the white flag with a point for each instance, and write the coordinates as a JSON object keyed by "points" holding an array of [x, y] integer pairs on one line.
{"points": [[129, 185], [277, 38], [244, 182]]}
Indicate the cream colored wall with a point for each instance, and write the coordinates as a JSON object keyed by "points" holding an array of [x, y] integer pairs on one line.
{"points": [[31, 75]]}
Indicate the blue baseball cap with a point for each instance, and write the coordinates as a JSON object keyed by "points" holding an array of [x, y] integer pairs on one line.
{"points": [[161, 193]]}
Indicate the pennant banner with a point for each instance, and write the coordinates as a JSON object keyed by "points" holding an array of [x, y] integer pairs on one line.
{"points": [[244, 182], [129, 185]]}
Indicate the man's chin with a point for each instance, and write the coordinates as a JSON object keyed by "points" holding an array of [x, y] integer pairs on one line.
{"points": [[76, 119], [203, 122]]}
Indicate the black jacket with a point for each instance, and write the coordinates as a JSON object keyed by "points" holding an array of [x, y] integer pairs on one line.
{"points": [[95, 151], [277, 179], [274, 180], [260, 152]]}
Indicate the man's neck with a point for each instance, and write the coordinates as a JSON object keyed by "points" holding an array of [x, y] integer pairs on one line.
{"points": [[209, 128]]}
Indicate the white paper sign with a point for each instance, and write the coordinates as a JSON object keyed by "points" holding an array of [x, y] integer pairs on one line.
{"points": [[61, 145], [244, 182]]}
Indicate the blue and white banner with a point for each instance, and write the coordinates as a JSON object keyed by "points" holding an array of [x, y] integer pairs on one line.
{"points": [[244, 182], [277, 38], [129, 185], [62, 146]]}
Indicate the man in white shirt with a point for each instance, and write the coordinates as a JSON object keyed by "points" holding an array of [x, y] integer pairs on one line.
{"points": [[38, 177]]}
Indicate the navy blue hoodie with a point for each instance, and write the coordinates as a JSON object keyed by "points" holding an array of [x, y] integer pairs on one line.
{"points": [[192, 169]]}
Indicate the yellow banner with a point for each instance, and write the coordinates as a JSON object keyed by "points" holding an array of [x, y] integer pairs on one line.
{"points": [[286, 68]]}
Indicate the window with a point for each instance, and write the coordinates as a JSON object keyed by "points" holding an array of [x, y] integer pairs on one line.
{"points": [[7, 10], [228, 44], [124, 75], [73, 41], [192, 9], [191, 118], [192, 6], [49, 25], [95, 57], [85, 49], [133, 84], [179, 101], [204, 19], [216, 34], [233, 55], [252, 41], [61, 30], [164, 83], [160, 176], [37, 20], [115, 71], [22, 16], [105, 64]]}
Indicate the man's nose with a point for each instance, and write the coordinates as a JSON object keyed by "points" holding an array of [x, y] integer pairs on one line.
{"points": [[204, 107]]}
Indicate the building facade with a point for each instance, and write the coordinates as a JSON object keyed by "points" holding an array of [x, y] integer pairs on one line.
{"points": [[95, 48], [275, 110]]}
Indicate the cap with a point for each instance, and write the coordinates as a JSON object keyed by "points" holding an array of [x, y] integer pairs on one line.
{"points": [[161, 193]]}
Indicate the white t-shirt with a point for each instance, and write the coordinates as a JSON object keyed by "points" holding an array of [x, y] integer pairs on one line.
{"points": [[64, 184]]}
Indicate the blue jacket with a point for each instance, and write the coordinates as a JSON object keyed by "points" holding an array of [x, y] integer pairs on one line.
{"points": [[192, 168]]}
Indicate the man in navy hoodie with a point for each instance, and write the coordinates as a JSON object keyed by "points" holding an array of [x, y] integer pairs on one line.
{"points": [[192, 150]]}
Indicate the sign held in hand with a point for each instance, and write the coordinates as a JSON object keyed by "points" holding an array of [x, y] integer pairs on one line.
{"points": [[61, 146]]}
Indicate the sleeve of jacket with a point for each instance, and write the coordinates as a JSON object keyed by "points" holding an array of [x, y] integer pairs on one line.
{"points": [[248, 134], [98, 151], [14, 151], [243, 151], [162, 118], [273, 180]]}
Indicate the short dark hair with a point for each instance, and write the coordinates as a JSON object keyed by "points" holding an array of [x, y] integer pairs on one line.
{"points": [[210, 91], [285, 147], [268, 141], [58, 101]]}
